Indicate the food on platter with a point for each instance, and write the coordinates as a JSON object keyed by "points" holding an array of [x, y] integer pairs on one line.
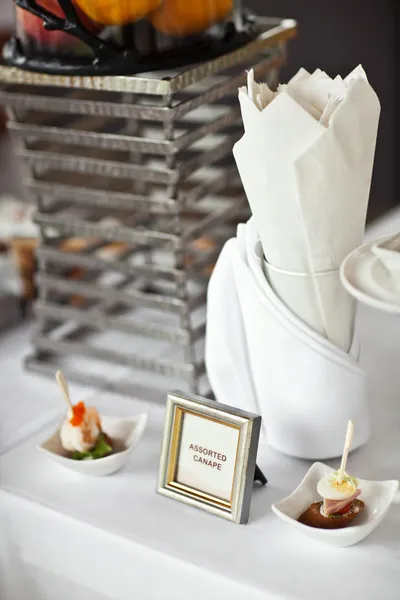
{"points": [[340, 493], [81, 433], [340, 504], [30, 27]]}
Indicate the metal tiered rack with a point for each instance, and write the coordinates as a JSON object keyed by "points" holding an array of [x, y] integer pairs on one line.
{"points": [[136, 192]]}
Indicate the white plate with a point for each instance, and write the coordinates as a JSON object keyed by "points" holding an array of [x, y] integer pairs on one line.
{"points": [[377, 496], [367, 279], [388, 251], [125, 433]]}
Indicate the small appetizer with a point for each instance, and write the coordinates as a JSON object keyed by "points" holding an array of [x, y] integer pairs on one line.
{"points": [[81, 433], [340, 491]]}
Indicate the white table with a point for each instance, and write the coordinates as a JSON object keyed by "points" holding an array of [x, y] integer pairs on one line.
{"points": [[62, 536]]}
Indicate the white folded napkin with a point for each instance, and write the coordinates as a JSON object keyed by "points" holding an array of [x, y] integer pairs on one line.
{"points": [[261, 357], [305, 161]]}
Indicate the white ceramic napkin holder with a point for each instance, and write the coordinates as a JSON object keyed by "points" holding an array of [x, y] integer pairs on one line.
{"points": [[264, 359], [318, 299]]}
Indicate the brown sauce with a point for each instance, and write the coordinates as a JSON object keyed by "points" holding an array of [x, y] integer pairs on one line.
{"points": [[313, 518]]}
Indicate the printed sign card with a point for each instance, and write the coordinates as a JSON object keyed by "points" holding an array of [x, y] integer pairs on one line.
{"points": [[209, 455]]}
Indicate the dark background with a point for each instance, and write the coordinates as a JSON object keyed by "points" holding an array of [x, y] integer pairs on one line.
{"points": [[336, 36]]}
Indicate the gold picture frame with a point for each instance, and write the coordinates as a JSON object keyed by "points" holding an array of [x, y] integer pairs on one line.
{"points": [[217, 476]]}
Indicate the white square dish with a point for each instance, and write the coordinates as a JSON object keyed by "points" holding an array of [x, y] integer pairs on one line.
{"points": [[125, 432], [377, 496]]}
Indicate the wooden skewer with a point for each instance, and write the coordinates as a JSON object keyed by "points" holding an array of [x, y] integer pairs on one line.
{"points": [[347, 445], [62, 382]]}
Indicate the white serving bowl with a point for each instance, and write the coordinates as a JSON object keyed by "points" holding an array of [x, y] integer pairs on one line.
{"points": [[377, 496], [125, 433]]}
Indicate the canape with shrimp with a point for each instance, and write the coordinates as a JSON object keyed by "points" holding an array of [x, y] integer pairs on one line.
{"points": [[81, 432]]}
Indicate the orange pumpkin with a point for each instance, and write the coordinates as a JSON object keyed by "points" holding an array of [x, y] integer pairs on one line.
{"points": [[117, 12], [185, 17]]}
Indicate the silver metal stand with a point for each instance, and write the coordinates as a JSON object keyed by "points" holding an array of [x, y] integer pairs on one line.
{"points": [[154, 153]]}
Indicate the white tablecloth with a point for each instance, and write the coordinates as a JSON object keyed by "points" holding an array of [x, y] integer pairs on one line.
{"points": [[63, 536]]}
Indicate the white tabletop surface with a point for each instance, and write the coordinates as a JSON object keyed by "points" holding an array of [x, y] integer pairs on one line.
{"points": [[67, 536]]}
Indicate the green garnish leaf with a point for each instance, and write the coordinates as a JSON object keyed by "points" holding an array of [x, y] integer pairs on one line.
{"points": [[100, 450], [80, 455]]}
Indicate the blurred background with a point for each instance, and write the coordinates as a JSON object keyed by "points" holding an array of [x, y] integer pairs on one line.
{"points": [[332, 36], [336, 37]]}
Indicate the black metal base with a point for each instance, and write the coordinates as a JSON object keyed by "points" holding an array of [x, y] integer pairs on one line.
{"points": [[260, 477], [129, 62]]}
